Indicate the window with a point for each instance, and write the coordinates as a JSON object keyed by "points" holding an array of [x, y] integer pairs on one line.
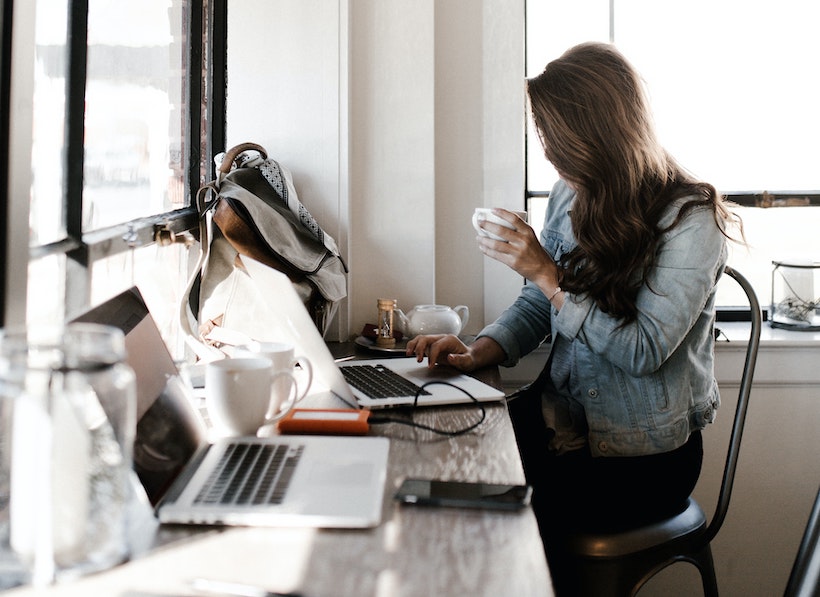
{"points": [[733, 85], [123, 120]]}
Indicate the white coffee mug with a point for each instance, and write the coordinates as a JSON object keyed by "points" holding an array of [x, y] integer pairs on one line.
{"points": [[239, 395], [283, 358], [482, 214]]}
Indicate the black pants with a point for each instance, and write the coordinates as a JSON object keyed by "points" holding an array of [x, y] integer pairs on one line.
{"points": [[578, 492]]}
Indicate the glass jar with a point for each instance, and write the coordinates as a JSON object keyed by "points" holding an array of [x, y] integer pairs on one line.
{"points": [[795, 295], [68, 405]]}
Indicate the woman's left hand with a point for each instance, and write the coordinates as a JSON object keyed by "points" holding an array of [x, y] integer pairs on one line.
{"points": [[520, 250]]}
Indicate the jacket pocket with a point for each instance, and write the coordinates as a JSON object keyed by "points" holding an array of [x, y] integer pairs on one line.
{"points": [[556, 244]]}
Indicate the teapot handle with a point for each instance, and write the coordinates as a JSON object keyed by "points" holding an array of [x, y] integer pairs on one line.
{"points": [[463, 313]]}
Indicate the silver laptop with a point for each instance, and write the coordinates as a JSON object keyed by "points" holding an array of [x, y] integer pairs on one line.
{"points": [[400, 381], [311, 481]]}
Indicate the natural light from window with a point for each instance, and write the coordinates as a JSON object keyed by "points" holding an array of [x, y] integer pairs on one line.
{"points": [[135, 118], [734, 86]]}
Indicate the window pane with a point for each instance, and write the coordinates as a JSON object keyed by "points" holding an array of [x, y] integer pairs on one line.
{"points": [[134, 110], [552, 28], [46, 220], [45, 302], [776, 234], [159, 272], [734, 86]]}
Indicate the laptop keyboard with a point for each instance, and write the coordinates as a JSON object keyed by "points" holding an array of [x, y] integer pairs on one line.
{"points": [[251, 474], [378, 381]]}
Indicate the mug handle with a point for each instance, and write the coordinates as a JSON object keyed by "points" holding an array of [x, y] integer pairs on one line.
{"points": [[305, 363], [285, 408]]}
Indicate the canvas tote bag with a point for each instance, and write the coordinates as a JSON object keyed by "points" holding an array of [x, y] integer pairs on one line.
{"points": [[252, 209]]}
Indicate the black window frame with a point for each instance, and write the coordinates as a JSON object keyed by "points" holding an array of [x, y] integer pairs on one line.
{"points": [[6, 14], [206, 20]]}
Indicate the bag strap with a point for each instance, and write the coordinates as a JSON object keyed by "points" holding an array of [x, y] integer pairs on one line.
{"points": [[233, 153], [188, 314]]}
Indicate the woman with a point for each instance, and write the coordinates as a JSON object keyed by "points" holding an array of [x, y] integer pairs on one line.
{"points": [[623, 280]]}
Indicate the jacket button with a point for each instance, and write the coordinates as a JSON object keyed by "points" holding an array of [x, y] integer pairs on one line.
{"points": [[603, 446], [593, 393]]}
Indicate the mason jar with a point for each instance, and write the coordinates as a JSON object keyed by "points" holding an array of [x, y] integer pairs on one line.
{"points": [[68, 406]]}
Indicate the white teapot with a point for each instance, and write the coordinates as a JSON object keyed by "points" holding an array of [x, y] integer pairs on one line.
{"points": [[433, 319]]}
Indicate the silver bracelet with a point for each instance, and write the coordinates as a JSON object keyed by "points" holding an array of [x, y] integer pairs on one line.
{"points": [[554, 294]]}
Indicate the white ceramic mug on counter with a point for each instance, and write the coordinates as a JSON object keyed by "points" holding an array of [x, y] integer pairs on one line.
{"points": [[283, 357], [243, 394]]}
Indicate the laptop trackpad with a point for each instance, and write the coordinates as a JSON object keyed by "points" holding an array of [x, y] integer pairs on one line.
{"points": [[355, 474]]}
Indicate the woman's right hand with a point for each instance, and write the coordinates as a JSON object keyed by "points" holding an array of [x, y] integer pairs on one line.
{"points": [[521, 251], [449, 350], [441, 349]]}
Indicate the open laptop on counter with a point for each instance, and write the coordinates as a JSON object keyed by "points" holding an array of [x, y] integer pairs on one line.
{"points": [[398, 381], [308, 481]]}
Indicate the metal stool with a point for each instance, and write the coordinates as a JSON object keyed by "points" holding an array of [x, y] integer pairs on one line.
{"points": [[619, 564]]}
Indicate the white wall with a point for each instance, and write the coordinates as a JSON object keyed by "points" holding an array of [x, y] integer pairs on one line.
{"points": [[393, 154], [396, 119], [287, 91]]}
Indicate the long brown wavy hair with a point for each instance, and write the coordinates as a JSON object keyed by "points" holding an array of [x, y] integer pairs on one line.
{"points": [[595, 125]]}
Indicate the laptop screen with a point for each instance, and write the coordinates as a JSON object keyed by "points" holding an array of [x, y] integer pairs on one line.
{"points": [[169, 428]]}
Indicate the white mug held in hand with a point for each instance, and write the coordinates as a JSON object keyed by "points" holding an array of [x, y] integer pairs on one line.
{"points": [[283, 358], [239, 396], [482, 214]]}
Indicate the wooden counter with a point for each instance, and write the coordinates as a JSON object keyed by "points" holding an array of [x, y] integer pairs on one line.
{"points": [[415, 551]]}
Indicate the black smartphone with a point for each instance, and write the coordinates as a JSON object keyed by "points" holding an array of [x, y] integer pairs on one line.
{"points": [[461, 494]]}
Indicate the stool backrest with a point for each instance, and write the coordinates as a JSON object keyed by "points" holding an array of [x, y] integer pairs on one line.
{"points": [[742, 405]]}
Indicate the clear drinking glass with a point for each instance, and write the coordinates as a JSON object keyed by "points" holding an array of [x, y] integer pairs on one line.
{"points": [[68, 408]]}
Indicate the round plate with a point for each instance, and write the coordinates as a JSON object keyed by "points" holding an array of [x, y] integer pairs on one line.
{"points": [[370, 344]]}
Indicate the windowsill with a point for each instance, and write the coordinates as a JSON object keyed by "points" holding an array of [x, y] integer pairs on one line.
{"points": [[786, 358], [769, 336]]}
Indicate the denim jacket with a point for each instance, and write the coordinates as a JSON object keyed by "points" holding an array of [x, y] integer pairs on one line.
{"points": [[643, 387]]}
